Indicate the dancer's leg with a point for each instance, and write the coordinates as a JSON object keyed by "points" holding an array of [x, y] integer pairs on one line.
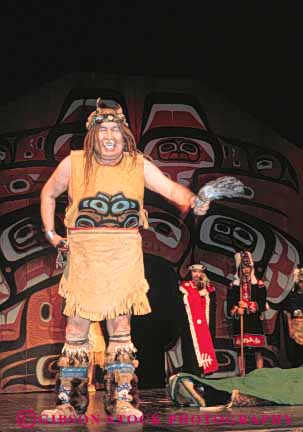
{"points": [[121, 397], [71, 385]]}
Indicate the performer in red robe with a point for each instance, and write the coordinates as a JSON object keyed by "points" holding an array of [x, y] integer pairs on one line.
{"points": [[197, 346]]}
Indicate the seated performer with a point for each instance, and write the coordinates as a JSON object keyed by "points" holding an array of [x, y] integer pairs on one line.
{"points": [[246, 298], [105, 183], [294, 310], [198, 352]]}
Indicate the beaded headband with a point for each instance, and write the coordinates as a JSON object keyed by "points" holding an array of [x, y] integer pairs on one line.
{"points": [[197, 267], [117, 118], [97, 117]]}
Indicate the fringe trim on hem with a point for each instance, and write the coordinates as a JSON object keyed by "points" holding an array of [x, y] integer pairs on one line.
{"points": [[138, 304], [128, 348], [71, 351]]}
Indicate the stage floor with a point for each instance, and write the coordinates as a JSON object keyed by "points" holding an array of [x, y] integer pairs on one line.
{"points": [[21, 412]]}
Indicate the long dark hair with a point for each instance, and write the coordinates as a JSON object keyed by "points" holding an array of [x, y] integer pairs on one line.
{"points": [[92, 135]]}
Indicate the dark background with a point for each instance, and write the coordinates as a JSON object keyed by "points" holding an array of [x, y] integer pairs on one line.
{"points": [[249, 51]]}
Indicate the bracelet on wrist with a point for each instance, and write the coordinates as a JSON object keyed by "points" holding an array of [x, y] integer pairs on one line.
{"points": [[50, 234]]}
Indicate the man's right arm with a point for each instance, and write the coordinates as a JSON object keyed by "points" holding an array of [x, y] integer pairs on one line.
{"points": [[55, 186]]}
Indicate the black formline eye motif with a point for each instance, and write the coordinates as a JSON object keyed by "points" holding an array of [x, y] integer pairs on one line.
{"points": [[24, 234], [168, 148], [264, 164], [85, 222], [258, 162], [21, 238], [223, 233], [245, 236], [104, 210], [227, 230], [120, 204], [100, 204], [131, 221], [19, 185], [189, 147], [165, 231]]}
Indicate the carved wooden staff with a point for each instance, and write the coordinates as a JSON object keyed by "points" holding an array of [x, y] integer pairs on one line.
{"points": [[242, 358], [244, 285]]}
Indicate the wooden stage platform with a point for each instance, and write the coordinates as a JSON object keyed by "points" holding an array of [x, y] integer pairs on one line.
{"points": [[20, 412]]}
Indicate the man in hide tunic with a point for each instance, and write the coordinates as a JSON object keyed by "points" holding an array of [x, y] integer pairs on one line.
{"points": [[247, 297], [196, 343], [105, 183]]}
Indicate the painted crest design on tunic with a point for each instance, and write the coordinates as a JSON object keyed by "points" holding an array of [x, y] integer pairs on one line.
{"points": [[104, 210]]}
